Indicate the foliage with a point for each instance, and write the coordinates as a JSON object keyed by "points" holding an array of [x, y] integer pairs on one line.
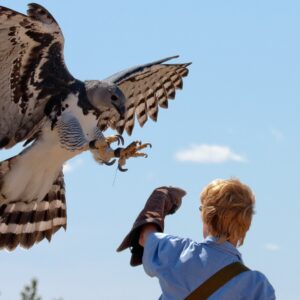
{"points": [[30, 291]]}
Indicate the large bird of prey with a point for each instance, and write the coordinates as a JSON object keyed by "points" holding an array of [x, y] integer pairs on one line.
{"points": [[58, 116]]}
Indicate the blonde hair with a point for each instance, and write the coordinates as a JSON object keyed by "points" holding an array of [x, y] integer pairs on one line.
{"points": [[227, 207]]}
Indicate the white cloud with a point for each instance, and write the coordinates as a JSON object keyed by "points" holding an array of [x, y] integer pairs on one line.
{"points": [[208, 154], [72, 165], [271, 247]]}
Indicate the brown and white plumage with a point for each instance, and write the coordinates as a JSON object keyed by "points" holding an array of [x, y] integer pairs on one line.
{"points": [[28, 79], [58, 117], [24, 223], [146, 88]]}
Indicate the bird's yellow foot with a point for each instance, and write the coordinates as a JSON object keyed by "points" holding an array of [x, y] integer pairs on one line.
{"points": [[130, 151], [101, 148]]}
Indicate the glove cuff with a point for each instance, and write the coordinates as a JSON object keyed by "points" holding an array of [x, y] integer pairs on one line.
{"points": [[132, 238]]}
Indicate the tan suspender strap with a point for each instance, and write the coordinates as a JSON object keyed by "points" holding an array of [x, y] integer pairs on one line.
{"points": [[216, 281]]}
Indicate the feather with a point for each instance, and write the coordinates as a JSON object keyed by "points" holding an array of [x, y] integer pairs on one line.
{"points": [[32, 71], [146, 88], [25, 224]]}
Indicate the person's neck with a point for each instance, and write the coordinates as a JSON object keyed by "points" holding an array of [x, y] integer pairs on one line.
{"points": [[231, 241]]}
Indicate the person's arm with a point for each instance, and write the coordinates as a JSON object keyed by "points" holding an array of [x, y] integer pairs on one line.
{"points": [[145, 231]]}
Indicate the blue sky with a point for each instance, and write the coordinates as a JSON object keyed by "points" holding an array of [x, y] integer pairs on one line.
{"points": [[238, 115]]}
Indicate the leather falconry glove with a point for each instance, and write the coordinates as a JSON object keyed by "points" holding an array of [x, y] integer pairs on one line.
{"points": [[163, 201]]}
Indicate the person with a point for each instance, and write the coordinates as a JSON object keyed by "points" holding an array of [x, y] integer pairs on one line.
{"points": [[182, 265]]}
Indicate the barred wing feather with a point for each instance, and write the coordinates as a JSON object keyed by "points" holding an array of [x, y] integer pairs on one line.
{"points": [[31, 70], [146, 88]]}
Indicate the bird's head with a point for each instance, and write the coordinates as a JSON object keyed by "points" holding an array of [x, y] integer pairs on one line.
{"points": [[104, 95]]}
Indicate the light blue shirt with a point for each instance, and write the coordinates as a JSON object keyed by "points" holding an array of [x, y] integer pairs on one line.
{"points": [[181, 265]]}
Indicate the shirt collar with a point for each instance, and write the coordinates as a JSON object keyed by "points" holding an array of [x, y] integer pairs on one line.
{"points": [[225, 246]]}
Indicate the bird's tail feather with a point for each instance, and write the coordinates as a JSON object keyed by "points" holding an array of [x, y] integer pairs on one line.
{"points": [[24, 223]]}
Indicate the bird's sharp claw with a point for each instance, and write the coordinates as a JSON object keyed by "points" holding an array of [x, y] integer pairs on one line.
{"points": [[121, 169], [131, 151], [120, 139], [110, 163], [115, 138]]}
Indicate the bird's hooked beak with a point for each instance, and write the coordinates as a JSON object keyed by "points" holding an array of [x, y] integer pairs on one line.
{"points": [[120, 109]]}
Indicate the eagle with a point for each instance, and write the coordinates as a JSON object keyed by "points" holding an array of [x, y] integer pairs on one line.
{"points": [[57, 117]]}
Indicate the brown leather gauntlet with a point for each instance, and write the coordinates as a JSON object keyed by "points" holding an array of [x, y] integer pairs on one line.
{"points": [[163, 201]]}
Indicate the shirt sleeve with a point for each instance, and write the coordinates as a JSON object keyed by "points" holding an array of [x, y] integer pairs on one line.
{"points": [[264, 289], [162, 252]]}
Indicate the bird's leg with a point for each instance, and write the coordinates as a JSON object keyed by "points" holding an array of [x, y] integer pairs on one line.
{"points": [[104, 153], [130, 151]]}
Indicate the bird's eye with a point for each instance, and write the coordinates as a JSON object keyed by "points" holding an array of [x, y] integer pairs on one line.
{"points": [[114, 98]]}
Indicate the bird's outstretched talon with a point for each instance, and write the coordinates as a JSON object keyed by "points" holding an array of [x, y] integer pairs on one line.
{"points": [[131, 151], [102, 151]]}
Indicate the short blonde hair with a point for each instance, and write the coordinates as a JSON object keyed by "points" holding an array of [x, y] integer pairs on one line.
{"points": [[227, 208]]}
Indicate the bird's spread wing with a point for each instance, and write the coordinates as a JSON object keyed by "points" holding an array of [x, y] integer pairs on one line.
{"points": [[32, 70], [145, 87]]}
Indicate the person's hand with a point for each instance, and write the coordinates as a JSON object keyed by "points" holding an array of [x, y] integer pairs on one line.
{"points": [[163, 201]]}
